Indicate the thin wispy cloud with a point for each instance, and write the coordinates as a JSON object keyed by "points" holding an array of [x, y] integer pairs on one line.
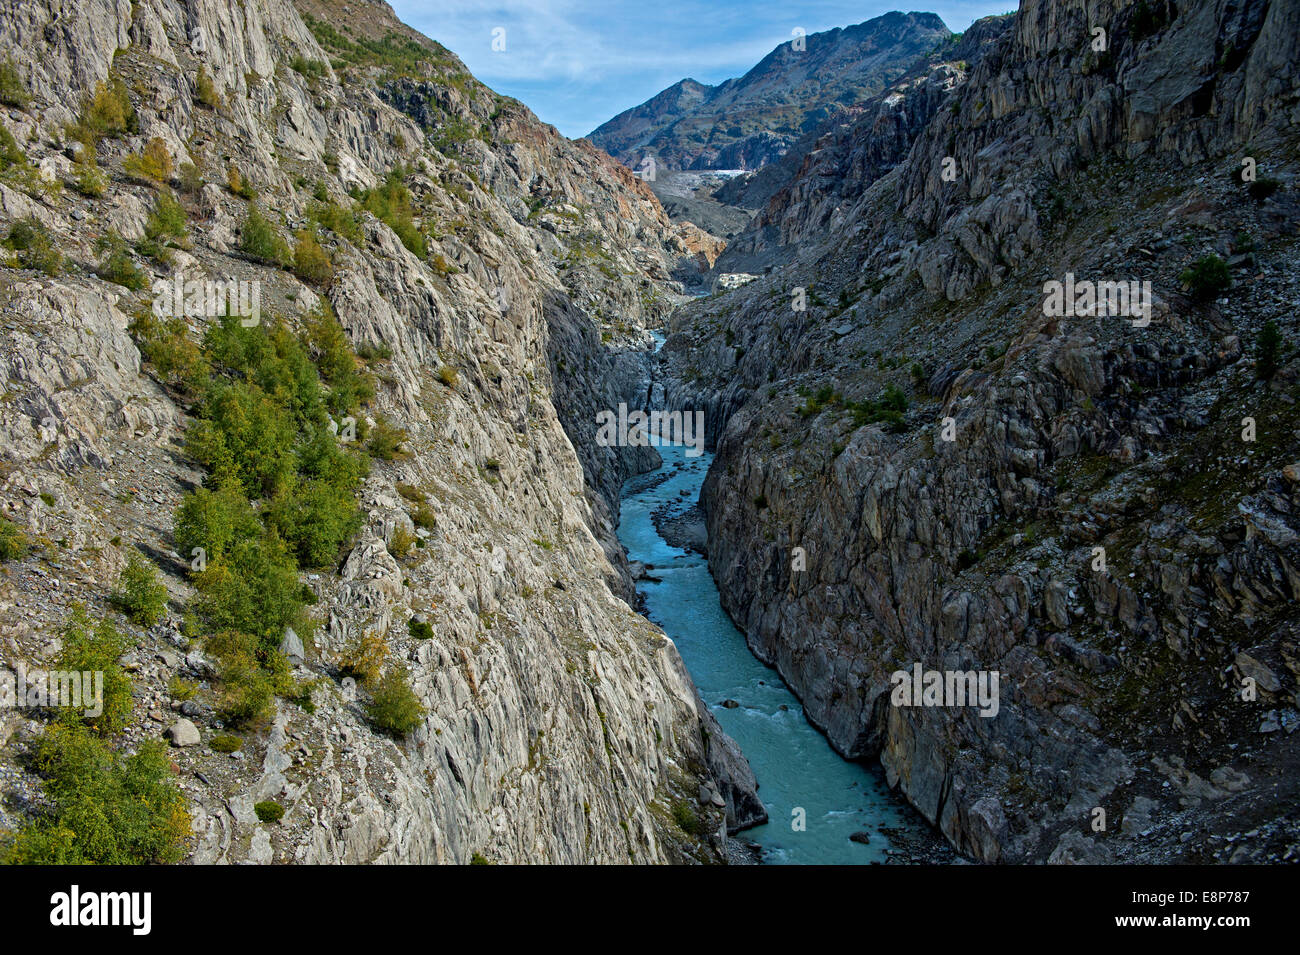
{"points": [[576, 63]]}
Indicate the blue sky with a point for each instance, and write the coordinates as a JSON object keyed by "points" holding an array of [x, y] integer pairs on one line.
{"points": [[577, 63]]}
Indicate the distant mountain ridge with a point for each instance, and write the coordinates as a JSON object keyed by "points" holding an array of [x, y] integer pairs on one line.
{"points": [[748, 122]]}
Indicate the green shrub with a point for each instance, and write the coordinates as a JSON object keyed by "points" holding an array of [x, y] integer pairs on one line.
{"points": [[247, 675], [140, 594], [332, 353], [13, 542], [239, 185], [269, 811], [35, 246], [205, 91], [316, 518], [167, 221], [311, 69], [245, 435], [419, 629], [1268, 349], [191, 179], [181, 689], [116, 265], [97, 648], [253, 589], [167, 346], [225, 743], [394, 706], [262, 433], [364, 657], [390, 202], [11, 154], [340, 220], [213, 520], [106, 112], [261, 240], [1206, 277], [386, 440], [1263, 187], [887, 409], [89, 180], [105, 807], [423, 517], [153, 164], [311, 262], [686, 818], [411, 493], [401, 542], [13, 92]]}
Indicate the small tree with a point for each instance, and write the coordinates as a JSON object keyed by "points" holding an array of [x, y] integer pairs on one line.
{"points": [[205, 91], [1268, 350], [116, 265], [261, 240], [35, 246], [153, 164], [140, 594], [394, 706], [311, 262], [13, 542], [13, 92]]}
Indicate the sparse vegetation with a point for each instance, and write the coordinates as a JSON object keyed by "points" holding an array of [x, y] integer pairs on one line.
{"points": [[239, 185], [390, 202], [312, 69], [11, 154], [686, 818], [386, 440], [89, 180], [341, 220], [365, 657]]}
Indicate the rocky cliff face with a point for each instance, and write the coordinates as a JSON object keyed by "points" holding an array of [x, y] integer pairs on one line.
{"points": [[561, 726], [920, 466], [846, 153], [748, 122]]}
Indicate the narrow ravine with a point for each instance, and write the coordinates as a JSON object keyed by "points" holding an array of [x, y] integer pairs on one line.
{"points": [[795, 766]]}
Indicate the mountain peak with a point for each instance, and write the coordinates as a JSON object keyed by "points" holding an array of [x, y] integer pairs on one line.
{"points": [[751, 120]]}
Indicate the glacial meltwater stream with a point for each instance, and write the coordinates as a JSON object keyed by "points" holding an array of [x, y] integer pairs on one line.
{"points": [[795, 766]]}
